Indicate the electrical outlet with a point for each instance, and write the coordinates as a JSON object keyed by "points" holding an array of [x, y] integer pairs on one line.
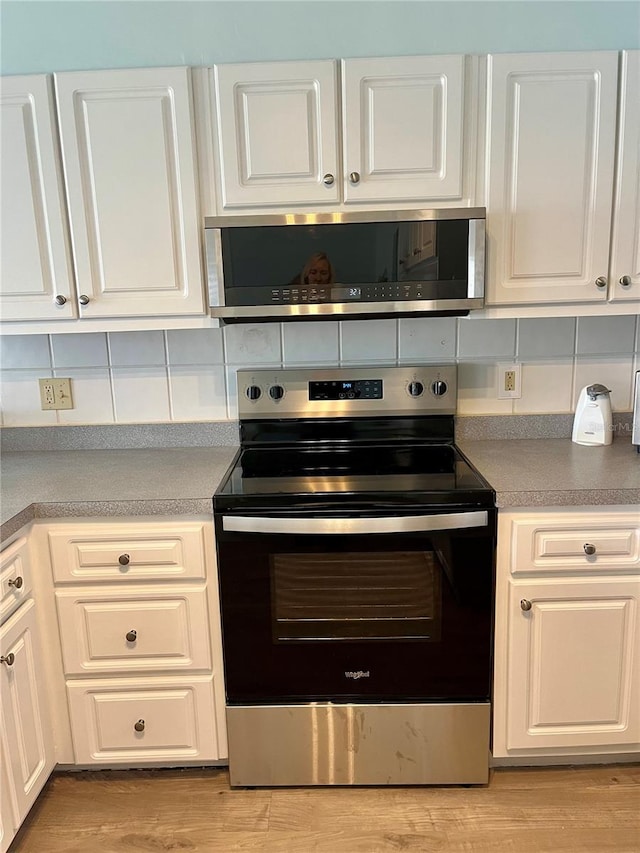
{"points": [[55, 394], [509, 381]]}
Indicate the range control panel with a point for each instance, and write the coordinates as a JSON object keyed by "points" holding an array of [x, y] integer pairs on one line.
{"points": [[347, 392]]}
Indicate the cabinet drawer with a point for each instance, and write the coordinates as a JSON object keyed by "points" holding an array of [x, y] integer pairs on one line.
{"points": [[148, 551], [15, 577], [575, 543], [133, 630], [126, 721]]}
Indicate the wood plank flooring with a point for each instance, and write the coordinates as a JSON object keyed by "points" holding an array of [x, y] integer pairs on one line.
{"points": [[524, 810]]}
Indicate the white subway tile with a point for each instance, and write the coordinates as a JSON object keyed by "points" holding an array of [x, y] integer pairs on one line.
{"points": [[80, 350], [136, 349], [615, 373], [478, 390], [546, 387], [141, 395], [24, 351], [195, 346], [253, 344], [198, 393], [486, 338], [369, 340], [427, 338], [546, 337], [232, 391], [311, 343], [21, 399], [91, 394], [605, 335]]}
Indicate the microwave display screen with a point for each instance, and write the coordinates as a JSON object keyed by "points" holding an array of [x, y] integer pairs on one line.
{"points": [[346, 262]]}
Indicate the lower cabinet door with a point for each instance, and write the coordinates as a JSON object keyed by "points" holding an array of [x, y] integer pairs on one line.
{"points": [[132, 721], [573, 672], [27, 739], [7, 821]]}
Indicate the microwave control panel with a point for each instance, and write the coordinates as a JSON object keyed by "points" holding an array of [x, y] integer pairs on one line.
{"points": [[384, 292]]}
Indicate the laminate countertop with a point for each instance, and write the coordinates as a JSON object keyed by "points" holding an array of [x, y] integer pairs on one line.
{"points": [[181, 481]]}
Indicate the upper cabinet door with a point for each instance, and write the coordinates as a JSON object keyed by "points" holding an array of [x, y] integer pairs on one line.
{"points": [[552, 125], [36, 264], [277, 133], [403, 128], [625, 247], [129, 160]]}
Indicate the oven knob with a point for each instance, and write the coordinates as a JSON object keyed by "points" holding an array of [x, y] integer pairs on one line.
{"points": [[415, 389], [253, 392], [439, 388], [276, 392]]}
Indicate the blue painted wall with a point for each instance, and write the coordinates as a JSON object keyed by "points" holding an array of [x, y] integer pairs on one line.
{"points": [[65, 36]]}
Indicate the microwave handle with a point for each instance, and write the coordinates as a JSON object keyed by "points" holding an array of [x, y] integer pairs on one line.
{"points": [[342, 526]]}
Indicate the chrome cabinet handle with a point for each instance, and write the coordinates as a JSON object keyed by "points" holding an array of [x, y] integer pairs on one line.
{"points": [[132, 636], [124, 559], [589, 550], [139, 726], [8, 659], [16, 582], [525, 605], [625, 281], [354, 177], [328, 180], [60, 299], [84, 300], [601, 282]]}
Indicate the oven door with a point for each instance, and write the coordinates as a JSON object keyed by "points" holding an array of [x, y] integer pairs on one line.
{"points": [[357, 607]]}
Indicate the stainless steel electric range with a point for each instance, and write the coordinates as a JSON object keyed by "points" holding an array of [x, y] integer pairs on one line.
{"points": [[356, 564]]}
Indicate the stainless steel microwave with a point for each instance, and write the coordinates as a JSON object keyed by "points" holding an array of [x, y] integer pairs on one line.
{"points": [[346, 265]]}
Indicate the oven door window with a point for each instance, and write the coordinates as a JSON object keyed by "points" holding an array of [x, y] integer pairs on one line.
{"points": [[356, 597]]}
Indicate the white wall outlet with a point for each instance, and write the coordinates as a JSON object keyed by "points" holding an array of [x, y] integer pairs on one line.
{"points": [[55, 394], [509, 379]]}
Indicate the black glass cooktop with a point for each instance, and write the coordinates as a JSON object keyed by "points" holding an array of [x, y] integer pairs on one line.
{"points": [[379, 475]]}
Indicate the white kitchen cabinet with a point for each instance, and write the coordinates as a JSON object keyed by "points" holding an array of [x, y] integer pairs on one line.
{"points": [[567, 670], [138, 615], [34, 243], [27, 742], [551, 154], [401, 132], [8, 827], [624, 272], [128, 150]]}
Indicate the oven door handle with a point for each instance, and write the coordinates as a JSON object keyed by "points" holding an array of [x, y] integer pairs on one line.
{"points": [[341, 526]]}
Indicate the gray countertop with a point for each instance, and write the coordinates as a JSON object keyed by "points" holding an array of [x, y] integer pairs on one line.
{"points": [[181, 481]]}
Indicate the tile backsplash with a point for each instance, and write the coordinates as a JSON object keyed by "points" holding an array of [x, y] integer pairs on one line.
{"points": [[189, 375]]}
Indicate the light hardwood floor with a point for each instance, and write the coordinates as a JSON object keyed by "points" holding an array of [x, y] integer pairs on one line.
{"points": [[566, 810]]}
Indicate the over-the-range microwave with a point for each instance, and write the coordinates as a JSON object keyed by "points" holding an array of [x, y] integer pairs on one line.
{"points": [[346, 265]]}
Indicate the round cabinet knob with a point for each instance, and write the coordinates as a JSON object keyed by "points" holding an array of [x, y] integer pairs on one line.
{"points": [[60, 299], [415, 389], [589, 550], [525, 605], [9, 659], [276, 392], [84, 300], [253, 392], [328, 180], [124, 559], [139, 726], [439, 388], [132, 636], [601, 282], [625, 281], [16, 582], [354, 177]]}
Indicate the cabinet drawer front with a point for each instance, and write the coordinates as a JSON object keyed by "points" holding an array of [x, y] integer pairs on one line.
{"points": [[133, 630], [15, 577], [575, 544], [126, 721], [120, 551]]}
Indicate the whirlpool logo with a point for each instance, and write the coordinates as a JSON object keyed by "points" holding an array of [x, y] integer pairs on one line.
{"points": [[359, 674]]}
